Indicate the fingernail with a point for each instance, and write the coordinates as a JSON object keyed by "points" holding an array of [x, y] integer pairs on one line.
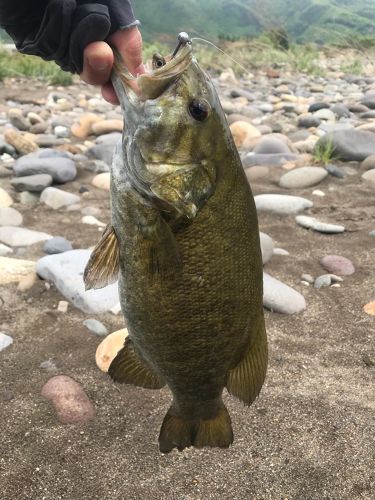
{"points": [[98, 64], [139, 70]]}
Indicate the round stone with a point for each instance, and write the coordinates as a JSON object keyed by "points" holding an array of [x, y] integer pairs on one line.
{"points": [[370, 308], [109, 347], [10, 217], [336, 264], [102, 181], [243, 131], [55, 245], [95, 327], [267, 247], [303, 177], [369, 176], [5, 199], [69, 400], [368, 163], [271, 145]]}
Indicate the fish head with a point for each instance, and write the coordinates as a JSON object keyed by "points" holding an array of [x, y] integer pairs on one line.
{"points": [[174, 131]]}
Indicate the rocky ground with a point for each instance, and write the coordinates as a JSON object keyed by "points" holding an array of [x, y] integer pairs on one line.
{"points": [[67, 432]]}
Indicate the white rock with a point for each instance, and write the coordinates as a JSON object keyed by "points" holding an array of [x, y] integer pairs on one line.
{"points": [[281, 204], [21, 237], [92, 221], [63, 306], [4, 250], [5, 199], [10, 217], [281, 298], [321, 227], [65, 270], [57, 198], [13, 270], [5, 341]]}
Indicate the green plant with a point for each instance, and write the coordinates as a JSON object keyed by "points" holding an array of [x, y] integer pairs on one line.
{"points": [[13, 64], [324, 152], [355, 67]]}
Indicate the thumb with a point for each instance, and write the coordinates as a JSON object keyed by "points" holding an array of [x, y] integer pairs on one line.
{"points": [[129, 43]]}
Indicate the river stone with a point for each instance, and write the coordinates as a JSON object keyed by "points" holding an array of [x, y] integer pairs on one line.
{"points": [[368, 163], [5, 341], [267, 246], [108, 349], [29, 199], [256, 173], [274, 160], [21, 237], [69, 400], [325, 114], [309, 121], [326, 280], [281, 298], [4, 250], [57, 198], [65, 270], [57, 244], [95, 327], [321, 227], [5, 199], [33, 183], [369, 102], [335, 171], [271, 145], [318, 105], [340, 110], [242, 132], [369, 176], [303, 177], [10, 217], [102, 181], [281, 204], [349, 145], [60, 168], [336, 264], [13, 270]]}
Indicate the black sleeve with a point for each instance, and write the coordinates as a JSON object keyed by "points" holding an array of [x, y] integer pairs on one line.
{"points": [[59, 30]]}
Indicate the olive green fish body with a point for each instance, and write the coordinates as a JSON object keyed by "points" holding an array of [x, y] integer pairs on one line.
{"points": [[190, 266]]}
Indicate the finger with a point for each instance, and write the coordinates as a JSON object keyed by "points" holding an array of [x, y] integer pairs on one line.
{"points": [[109, 94], [97, 63], [129, 44]]}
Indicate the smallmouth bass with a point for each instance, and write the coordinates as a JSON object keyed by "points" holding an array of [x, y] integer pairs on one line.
{"points": [[184, 244]]}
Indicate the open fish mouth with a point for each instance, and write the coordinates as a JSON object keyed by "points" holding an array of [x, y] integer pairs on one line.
{"points": [[152, 84]]}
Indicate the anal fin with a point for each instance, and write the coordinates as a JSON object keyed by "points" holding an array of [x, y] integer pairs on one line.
{"points": [[103, 265], [128, 368], [246, 379]]}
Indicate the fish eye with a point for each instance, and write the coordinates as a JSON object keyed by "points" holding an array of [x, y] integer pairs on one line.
{"points": [[199, 109]]}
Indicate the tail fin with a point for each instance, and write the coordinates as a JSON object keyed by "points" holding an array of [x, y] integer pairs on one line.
{"points": [[178, 432]]}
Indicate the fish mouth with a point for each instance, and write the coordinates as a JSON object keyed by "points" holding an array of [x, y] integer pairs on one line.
{"points": [[149, 85]]}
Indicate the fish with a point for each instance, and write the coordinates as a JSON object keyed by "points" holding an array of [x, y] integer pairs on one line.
{"points": [[183, 243]]}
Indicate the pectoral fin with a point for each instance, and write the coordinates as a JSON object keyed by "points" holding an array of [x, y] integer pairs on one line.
{"points": [[103, 265], [246, 379], [128, 368]]}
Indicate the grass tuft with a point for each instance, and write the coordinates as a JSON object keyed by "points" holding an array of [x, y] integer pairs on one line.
{"points": [[14, 64]]}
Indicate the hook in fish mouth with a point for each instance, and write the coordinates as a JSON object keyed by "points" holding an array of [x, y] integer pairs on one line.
{"points": [[151, 85]]}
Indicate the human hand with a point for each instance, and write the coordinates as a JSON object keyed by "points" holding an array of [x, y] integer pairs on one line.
{"points": [[98, 60]]}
